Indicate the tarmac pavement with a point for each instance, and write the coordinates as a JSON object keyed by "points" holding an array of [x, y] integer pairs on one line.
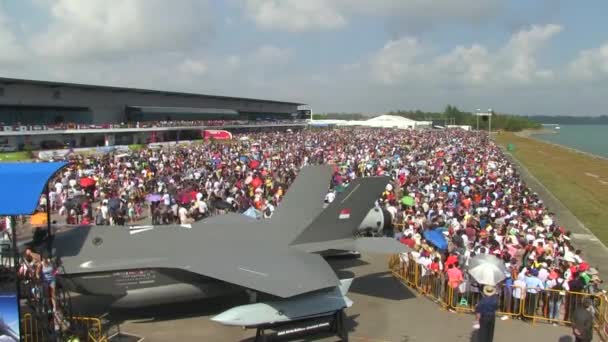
{"points": [[384, 311]]}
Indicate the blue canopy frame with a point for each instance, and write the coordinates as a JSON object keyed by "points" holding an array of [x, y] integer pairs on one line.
{"points": [[22, 185]]}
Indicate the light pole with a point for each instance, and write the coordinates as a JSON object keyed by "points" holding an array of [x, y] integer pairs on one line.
{"points": [[490, 113]]}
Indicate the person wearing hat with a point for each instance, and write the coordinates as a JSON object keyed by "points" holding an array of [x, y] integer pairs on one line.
{"points": [[582, 322], [485, 313]]}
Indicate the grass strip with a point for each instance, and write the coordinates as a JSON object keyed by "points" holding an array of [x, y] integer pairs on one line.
{"points": [[578, 180]]}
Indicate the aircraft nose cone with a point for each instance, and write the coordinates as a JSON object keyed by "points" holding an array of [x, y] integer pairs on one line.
{"points": [[229, 317]]}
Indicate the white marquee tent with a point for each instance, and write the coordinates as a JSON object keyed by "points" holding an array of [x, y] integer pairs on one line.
{"points": [[386, 121]]}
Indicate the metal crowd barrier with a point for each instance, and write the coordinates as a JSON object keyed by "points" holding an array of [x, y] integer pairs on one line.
{"points": [[90, 327], [602, 328], [548, 305], [30, 330], [93, 328]]}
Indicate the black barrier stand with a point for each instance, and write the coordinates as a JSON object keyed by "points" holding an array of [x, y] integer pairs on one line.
{"points": [[336, 327]]}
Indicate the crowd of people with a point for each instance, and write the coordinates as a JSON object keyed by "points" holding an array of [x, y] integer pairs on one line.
{"points": [[458, 182], [143, 124]]}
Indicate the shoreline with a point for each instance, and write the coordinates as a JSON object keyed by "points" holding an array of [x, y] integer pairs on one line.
{"points": [[530, 134]]}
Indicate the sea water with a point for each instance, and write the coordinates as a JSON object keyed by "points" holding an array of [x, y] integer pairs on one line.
{"points": [[587, 138]]}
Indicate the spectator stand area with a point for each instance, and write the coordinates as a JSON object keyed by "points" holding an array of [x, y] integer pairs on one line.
{"points": [[47, 315]]}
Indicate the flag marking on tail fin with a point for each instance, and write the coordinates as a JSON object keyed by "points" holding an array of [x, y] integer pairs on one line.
{"points": [[344, 214]]}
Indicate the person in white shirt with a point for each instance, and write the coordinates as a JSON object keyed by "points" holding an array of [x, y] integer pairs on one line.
{"points": [[557, 287], [58, 187], [330, 197], [543, 273], [183, 215], [519, 291], [104, 211], [425, 262]]}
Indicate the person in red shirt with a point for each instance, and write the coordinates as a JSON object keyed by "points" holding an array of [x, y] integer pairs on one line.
{"points": [[408, 241], [455, 278], [434, 267]]}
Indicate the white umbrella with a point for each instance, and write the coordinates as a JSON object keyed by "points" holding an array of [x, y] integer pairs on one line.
{"points": [[487, 269]]}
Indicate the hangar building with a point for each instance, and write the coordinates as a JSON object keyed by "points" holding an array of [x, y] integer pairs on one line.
{"points": [[31, 102]]}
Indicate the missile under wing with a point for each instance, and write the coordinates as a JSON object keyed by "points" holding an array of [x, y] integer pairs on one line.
{"points": [[310, 305]]}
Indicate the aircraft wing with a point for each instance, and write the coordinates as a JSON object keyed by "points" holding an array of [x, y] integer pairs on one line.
{"points": [[244, 255], [284, 273]]}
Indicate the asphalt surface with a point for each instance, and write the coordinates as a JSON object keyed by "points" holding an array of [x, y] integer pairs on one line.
{"points": [[384, 310]]}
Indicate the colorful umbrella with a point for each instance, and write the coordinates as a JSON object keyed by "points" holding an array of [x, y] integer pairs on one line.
{"points": [[254, 164], [436, 238], [87, 182], [407, 200], [256, 182], [39, 219], [186, 197], [487, 269], [154, 198]]}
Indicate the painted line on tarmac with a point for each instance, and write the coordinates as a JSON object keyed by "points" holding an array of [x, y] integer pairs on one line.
{"points": [[368, 339], [586, 237]]}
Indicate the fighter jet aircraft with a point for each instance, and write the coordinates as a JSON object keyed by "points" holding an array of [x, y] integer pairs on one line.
{"points": [[280, 256]]}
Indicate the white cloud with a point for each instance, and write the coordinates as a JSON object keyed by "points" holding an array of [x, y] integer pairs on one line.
{"points": [[397, 61], [194, 67], [295, 15], [522, 49], [473, 65], [271, 55], [10, 49], [590, 65], [407, 60], [324, 15], [96, 28]]}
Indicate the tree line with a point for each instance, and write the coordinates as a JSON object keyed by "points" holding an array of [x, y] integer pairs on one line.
{"points": [[571, 120], [450, 116]]}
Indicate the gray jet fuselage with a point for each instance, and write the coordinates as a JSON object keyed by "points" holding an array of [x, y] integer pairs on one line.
{"points": [[145, 287]]}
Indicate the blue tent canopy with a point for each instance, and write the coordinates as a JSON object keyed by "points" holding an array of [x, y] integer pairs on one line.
{"points": [[22, 185]]}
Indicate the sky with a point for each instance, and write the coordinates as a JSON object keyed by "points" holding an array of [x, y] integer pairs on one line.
{"points": [[531, 57]]}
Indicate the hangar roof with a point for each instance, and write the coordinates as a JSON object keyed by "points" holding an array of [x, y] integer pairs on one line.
{"points": [[50, 84]]}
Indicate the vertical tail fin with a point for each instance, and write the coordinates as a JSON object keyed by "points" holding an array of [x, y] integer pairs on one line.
{"points": [[341, 219], [303, 202]]}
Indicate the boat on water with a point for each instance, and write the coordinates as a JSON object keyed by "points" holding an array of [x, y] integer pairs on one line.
{"points": [[557, 128]]}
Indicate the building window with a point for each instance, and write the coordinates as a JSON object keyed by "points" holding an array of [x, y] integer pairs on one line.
{"points": [[56, 94]]}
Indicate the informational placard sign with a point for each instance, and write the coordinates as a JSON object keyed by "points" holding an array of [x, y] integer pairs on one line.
{"points": [[9, 317]]}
